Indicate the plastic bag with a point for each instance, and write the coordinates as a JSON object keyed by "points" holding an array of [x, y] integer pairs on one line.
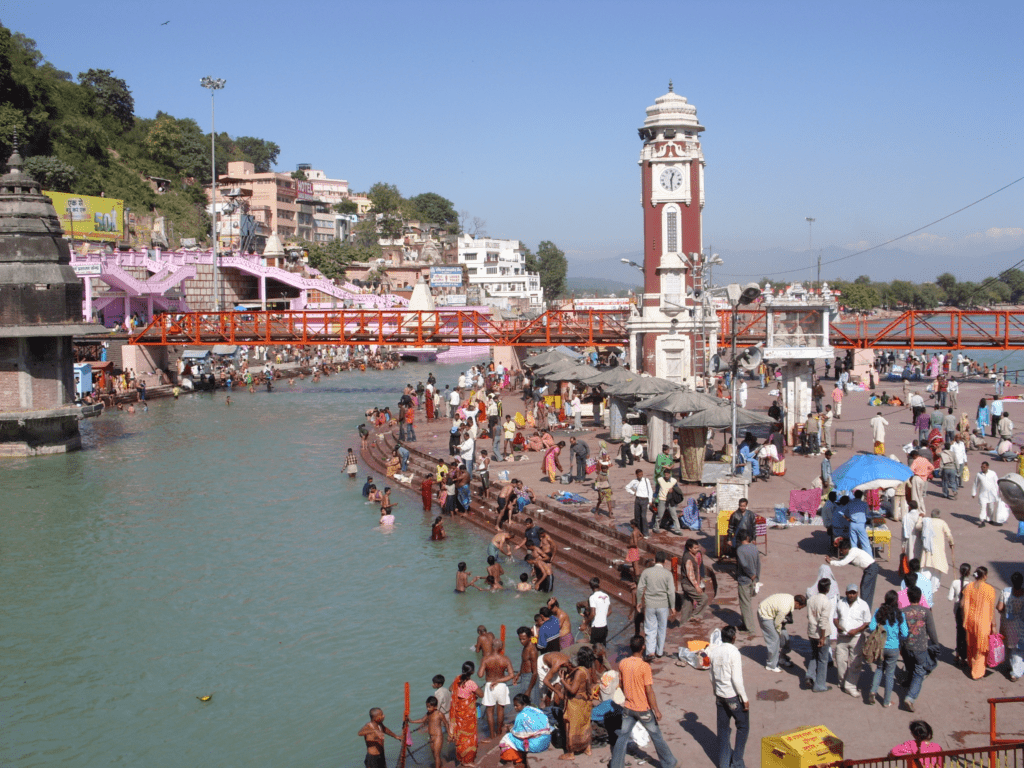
{"points": [[639, 736], [715, 638], [1002, 513], [696, 659]]}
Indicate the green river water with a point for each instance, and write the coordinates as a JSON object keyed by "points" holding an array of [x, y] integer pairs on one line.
{"points": [[202, 548]]}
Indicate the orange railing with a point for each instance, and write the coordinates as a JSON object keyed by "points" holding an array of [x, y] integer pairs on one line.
{"points": [[993, 737]]}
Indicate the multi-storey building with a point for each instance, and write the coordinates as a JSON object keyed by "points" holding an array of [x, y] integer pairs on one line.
{"points": [[498, 267]]}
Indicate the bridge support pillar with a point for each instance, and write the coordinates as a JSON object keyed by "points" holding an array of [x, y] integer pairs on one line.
{"points": [[796, 393], [510, 357], [87, 304]]}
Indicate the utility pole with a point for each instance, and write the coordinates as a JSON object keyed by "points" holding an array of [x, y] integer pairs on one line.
{"points": [[819, 270], [810, 239], [213, 85]]}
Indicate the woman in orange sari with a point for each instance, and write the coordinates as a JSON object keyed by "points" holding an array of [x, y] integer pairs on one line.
{"points": [[462, 728], [979, 602]]}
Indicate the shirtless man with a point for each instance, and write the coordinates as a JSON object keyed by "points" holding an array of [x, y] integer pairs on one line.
{"points": [[542, 572], [497, 670], [437, 725], [495, 572], [528, 663], [506, 504], [484, 641], [462, 481], [462, 582], [501, 544], [548, 665], [564, 623], [373, 732]]}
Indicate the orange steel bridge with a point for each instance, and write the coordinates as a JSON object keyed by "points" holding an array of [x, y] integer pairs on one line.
{"points": [[911, 329]]}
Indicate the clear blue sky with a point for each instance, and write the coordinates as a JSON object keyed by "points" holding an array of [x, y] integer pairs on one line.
{"points": [[872, 117]]}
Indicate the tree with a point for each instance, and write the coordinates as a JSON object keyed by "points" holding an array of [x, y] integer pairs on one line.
{"points": [[1014, 280], [299, 175], [553, 268], [928, 296], [261, 153], [432, 208], [946, 281], [863, 280], [529, 260], [54, 175], [386, 203], [346, 206], [112, 95], [859, 296], [471, 225]]}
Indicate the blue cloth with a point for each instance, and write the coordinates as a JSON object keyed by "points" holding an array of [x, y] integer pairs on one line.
{"points": [[893, 632], [530, 720], [464, 497]]}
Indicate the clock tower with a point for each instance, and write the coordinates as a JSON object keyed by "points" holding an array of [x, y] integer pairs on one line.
{"points": [[671, 334]]}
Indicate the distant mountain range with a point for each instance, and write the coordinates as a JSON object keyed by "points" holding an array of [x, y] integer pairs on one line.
{"points": [[784, 266], [599, 285]]}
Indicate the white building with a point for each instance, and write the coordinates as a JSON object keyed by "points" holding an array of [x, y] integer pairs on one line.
{"points": [[332, 191], [498, 268]]}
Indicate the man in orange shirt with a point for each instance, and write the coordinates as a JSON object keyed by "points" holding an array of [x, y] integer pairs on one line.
{"points": [[410, 433], [640, 706], [922, 469]]}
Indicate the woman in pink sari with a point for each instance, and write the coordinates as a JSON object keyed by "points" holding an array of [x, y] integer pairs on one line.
{"points": [[551, 464]]}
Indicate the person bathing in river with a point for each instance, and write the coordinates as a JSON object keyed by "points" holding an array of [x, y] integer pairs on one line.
{"points": [[494, 572], [373, 733], [462, 580], [436, 725]]}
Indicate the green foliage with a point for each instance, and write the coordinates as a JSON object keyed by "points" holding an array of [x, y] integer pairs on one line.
{"points": [[1013, 279], [346, 206], [387, 209], [858, 296], [111, 94], [530, 260], [553, 268], [261, 153], [53, 174], [333, 258], [299, 175], [430, 207]]}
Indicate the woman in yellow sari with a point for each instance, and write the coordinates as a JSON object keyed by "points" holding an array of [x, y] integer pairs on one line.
{"points": [[979, 602]]}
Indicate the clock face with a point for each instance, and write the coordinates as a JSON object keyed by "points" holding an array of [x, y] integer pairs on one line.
{"points": [[671, 179]]}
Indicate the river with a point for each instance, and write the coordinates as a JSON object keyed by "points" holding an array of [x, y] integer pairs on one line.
{"points": [[211, 549]]}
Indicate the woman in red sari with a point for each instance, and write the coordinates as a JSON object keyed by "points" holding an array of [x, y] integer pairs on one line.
{"points": [[462, 729], [427, 492]]}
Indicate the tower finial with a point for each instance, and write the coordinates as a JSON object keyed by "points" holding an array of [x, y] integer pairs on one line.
{"points": [[14, 162], [670, 86]]}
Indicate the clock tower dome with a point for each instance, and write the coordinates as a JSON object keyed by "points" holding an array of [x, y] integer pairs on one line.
{"points": [[670, 336]]}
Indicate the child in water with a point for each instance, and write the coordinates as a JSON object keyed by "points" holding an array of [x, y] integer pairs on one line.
{"points": [[374, 494], [385, 518], [385, 503]]}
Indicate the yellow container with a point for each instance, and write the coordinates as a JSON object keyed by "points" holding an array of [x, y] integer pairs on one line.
{"points": [[723, 529], [805, 747]]}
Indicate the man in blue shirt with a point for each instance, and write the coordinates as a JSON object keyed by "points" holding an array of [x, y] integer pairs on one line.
{"points": [[547, 631], [857, 513], [366, 487]]}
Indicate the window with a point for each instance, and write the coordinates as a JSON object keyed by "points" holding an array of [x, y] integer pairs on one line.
{"points": [[672, 232], [470, 257], [671, 285], [492, 270]]}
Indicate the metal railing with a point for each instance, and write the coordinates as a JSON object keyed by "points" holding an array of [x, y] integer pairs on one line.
{"points": [[992, 730], [996, 756]]}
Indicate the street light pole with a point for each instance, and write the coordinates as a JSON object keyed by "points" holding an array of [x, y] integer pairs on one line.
{"points": [[810, 240], [213, 85]]}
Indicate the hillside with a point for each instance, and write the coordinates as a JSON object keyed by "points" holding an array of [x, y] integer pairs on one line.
{"points": [[81, 135]]}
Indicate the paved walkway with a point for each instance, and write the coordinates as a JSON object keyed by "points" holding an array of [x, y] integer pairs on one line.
{"points": [[954, 705]]}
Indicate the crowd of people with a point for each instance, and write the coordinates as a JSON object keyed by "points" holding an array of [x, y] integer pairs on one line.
{"points": [[862, 635]]}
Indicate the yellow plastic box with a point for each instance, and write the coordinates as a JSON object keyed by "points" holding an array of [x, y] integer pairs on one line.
{"points": [[805, 747]]}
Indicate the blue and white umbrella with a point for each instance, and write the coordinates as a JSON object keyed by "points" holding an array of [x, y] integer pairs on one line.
{"points": [[864, 472]]}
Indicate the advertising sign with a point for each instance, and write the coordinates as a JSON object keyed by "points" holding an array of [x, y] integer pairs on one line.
{"points": [[452, 300], [305, 190], [446, 277], [85, 217], [86, 269]]}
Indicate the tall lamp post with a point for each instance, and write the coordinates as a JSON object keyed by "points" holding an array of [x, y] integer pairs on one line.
{"points": [[213, 85], [810, 241], [738, 296], [632, 362]]}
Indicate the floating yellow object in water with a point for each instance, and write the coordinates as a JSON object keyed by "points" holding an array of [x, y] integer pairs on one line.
{"points": [[205, 698]]}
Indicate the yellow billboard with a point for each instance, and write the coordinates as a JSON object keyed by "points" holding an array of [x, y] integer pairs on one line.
{"points": [[85, 217]]}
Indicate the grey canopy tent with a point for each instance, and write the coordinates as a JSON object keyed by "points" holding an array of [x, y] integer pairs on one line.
{"points": [[680, 401], [641, 386], [720, 416]]}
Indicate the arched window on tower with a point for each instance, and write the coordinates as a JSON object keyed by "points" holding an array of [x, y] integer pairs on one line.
{"points": [[670, 228]]}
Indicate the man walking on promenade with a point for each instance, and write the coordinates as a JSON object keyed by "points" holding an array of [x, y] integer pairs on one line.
{"points": [[691, 583], [730, 699], [748, 573], [580, 451], [878, 425], [852, 617], [640, 706], [837, 399], [819, 627], [986, 488], [655, 596], [643, 492]]}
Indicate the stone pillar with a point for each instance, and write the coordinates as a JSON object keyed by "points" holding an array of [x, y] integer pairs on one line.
{"points": [[659, 432], [87, 311], [263, 292], [149, 308], [508, 357], [616, 415], [863, 362], [796, 393]]}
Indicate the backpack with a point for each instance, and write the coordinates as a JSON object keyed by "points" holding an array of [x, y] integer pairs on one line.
{"points": [[874, 645]]}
